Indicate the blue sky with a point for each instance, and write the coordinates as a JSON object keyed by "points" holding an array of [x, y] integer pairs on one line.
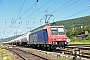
{"points": [[18, 16]]}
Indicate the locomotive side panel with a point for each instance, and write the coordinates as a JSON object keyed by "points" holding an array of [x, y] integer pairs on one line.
{"points": [[45, 33], [38, 37]]}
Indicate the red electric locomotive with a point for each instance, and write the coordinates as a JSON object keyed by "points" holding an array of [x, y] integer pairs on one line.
{"points": [[56, 36], [49, 37]]}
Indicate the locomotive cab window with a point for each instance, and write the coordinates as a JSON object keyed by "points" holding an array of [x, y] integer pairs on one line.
{"points": [[57, 30], [54, 31], [61, 31]]}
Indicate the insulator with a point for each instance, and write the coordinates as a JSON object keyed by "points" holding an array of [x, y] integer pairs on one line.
{"points": [[5, 22], [19, 22], [19, 18], [28, 21], [37, 0]]}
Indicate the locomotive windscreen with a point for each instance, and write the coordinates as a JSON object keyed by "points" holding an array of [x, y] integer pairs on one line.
{"points": [[57, 30]]}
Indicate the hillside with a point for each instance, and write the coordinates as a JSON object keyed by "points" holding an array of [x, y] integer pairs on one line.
{"points": [[72, 23], [77, 22]]}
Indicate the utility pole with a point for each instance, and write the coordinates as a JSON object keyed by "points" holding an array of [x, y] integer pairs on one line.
{"points": [[47, 18]]}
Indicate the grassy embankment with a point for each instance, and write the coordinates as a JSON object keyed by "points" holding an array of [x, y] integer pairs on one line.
{"points": [[4, 55], [80, 42]]}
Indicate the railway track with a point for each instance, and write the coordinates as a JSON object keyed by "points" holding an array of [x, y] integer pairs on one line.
{"points": [[74, 53], [68, 51], [84, 48], [27, 55], [83, 54]]}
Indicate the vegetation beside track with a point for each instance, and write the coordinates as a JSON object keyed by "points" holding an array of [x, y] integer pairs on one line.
{"points": [[4, 55], [65, 59], [74, 40], [79, 42]]}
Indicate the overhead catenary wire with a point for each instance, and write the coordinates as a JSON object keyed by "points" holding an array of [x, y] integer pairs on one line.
{"points": [[27, 22], [62, 6], [34, 10], [66, 6], [20, 10], [55, 11], [17, 9], [78, 13], [38, 9], [27, 9], [59, 7], [12, 21], [46, 10], [70, 0], [74, 7]]}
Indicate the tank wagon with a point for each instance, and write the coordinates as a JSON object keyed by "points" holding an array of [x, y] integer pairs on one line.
{"points": [[22, 40], [51, 37]]}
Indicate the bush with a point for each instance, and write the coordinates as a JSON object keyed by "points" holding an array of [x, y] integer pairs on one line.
{"points": [[88, 38], [74, 39]]}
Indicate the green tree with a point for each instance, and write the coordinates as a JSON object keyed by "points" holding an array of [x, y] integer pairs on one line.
{"points": [[74, 39], [88, 38], [68, 33]]}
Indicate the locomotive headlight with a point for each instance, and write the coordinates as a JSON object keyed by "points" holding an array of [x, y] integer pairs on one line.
{"points": [[65, 42], [54, 43]]}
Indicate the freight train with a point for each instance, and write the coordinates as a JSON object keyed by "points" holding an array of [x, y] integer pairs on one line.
{"points": [[48, 37]]}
